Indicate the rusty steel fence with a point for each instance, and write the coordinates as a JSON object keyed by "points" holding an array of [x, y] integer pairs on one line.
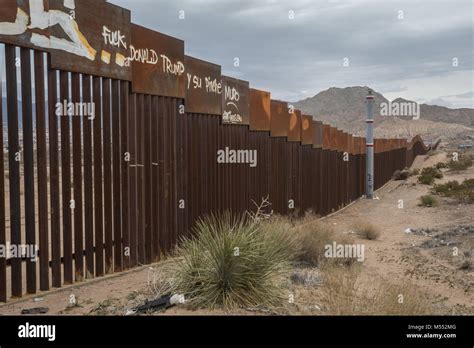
{"points": [[114, 145]]}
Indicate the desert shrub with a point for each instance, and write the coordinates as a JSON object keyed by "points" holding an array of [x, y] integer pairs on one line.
{"points": [[414, 172], [453, 189], [428, 175], [312, 240], [447, 189], [233, 262], [428, 201], [344, 293], [463, 163], [467, 262], [441, 165], [366, 230]]}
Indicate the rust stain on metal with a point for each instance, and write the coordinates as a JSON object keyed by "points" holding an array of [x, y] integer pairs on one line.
{"points": [[307, 130], [351, 141], [157, 63], [377, 145], [345, 142], [333, 138], [279, 118], [235, 101], [260, 110], [294, 126], [203, 87], [326, 137], [317, 134]]}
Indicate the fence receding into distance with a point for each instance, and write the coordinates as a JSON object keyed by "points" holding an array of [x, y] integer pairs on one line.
{"points": [[111, 139]]}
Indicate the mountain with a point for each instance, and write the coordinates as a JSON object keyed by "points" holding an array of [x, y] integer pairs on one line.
{"points": [[345, 108]]}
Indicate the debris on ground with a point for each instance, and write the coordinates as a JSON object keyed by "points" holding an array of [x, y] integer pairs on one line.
{"points": [[37, 310], [159, 304], [447, 238], [308, 277], [428, 232]]}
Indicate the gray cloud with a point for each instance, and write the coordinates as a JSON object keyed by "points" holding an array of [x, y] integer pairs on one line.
{"points": [[296, 58]]}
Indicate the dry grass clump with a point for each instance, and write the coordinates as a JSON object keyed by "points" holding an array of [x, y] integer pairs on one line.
{"points": [[233, 262], [463, 193], [312, 239], [366, 230], [464, 162], [428, 201], [343, 293]]}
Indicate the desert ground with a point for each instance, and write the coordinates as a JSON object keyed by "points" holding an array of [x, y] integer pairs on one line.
{"points": [[415, 249]]}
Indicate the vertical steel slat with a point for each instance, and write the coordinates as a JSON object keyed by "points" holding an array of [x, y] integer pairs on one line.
{"points": [[108, 220], [161, 174], [133, 172], [155, 179], [66, 180], [147, 163], [88, 180], [14, 166], [124, 139], [327, 181], [179, 175], [3, 237], [28, 160], [173, 172], [116, 169], [77, 181], [186, 187], [98, 183], [140, 179], [166, 189], [55, 201]]}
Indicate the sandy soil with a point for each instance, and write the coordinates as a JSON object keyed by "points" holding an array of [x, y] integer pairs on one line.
{"points": [[424, 256]]}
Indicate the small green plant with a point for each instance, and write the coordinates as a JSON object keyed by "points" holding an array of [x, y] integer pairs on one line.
{"points": [[367, 230], [428, 175], [428, 201], [463, 193], [463, 163]]}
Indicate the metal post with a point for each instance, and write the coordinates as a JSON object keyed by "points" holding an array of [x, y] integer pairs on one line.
{"points": [[370, 146]]}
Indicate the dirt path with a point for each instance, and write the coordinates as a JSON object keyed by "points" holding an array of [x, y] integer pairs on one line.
{"points": [[422, 257], [398, 256]]}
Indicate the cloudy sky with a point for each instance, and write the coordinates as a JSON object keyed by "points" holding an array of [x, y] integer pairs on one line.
{"points": [[399, 48]]}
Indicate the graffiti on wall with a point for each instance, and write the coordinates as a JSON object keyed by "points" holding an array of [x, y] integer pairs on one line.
{"points": [[235, 101], [157, 62], [87, 36], [203, 87]]}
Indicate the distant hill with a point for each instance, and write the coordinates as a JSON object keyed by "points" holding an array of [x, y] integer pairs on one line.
{"points": [[345, 109]]}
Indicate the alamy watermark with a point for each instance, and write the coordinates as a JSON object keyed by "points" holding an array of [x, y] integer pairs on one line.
{"points": [[13, 251], [400, 109], [75, 109], [345, 251], [237, 156]]}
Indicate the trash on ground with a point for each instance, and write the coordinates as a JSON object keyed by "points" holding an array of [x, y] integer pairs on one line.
{"points": [[37, 310]]}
